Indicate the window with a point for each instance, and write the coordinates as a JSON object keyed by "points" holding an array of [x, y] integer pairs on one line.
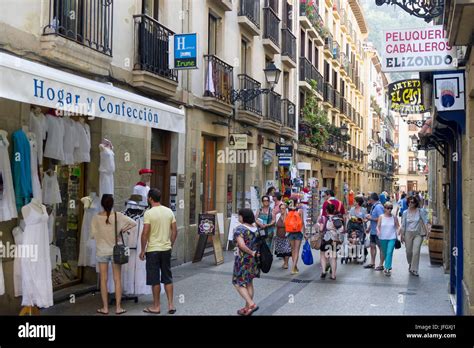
{"points": [[310, 50], [212, 35], [287, 21], [316, 57], [302, 42], [150, 8], [243, 57], [273, 4], [286, 85], [334, 79], [327, 71], [412, 165]]}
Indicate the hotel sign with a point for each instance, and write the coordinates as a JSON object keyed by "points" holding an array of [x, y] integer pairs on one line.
{"points": [[183, 50]]}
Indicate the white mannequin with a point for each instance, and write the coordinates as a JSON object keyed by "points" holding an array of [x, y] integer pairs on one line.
{"points": [[33, 205], [87, 201], [142, 190]]}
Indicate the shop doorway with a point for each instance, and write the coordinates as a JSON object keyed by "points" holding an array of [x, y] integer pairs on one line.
{"points": [[160, 150], [208, 173], [412, 186]]}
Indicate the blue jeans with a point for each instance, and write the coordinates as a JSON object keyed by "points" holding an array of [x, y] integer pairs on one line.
{"points": [[387, 246]]}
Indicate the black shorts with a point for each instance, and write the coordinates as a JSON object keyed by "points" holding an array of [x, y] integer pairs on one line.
{"points": [[158, 262], [374, 239]]}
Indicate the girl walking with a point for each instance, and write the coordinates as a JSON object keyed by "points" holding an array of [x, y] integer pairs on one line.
{"points": [[282, 244]]}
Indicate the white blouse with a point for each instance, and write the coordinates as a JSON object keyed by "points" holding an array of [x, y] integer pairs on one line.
{"points": [[51, 193], [82, 152], [55, 142]]}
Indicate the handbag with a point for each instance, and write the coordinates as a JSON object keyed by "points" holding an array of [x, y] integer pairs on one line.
{"points": [[307, 256], [120, 252], [265, 260], [398, 244]]}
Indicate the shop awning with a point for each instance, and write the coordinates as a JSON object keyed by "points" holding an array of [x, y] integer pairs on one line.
{"points": [[30, 82]]}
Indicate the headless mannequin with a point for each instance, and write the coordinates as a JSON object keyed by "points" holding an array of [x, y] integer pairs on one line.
{"points": [[33, 205], [142, 187], [87, 201]]}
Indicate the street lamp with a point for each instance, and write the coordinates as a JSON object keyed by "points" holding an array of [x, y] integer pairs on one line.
{"points": [[414, 140], [272, 75], [369, 148], [344, 129]]}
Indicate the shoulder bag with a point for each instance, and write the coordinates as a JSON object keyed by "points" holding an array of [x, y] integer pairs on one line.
{"points": [[398, 244], [121, 252]]}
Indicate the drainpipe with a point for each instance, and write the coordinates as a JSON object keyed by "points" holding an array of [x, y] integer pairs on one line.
{"points": [[459, 226]]}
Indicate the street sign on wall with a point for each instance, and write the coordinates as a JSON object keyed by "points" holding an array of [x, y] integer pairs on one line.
{"points": [[420, 49], [183, 51], [238, 141], [284, 150]]}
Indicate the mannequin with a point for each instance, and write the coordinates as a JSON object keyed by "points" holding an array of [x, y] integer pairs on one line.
{"points": [[17, 233], [87, 246], [143, 186], [106, 168], [36, 279]]}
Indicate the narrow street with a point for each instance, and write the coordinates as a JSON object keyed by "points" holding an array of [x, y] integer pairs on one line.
{"points": [[205, 289]]}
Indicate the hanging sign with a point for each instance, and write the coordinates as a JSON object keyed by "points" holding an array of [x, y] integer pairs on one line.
{"points": [[183, 51], [421, 49], [449, 92], [406, 96], [284, 150]]}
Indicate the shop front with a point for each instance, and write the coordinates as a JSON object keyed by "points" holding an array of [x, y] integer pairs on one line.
{"points": [[69, 140]]}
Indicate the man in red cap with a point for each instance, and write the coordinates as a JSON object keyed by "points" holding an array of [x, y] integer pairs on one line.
{"points": [[143, 186]]}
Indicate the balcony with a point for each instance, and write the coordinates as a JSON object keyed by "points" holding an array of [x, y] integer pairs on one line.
{"points": [[328, 94], [337, 100], [218, 84], [344, 106], [272, 120], [271, 31], [343, 15], [288, 48], [249, 17], [336, 53], [83, 41], [336, 9], [344, 65], [310, 19], [357, 120], [458, 22], [289, 119], [308, 72], [250, 112], [150, 71], [328, 46], [349, 31], [223, 5]]}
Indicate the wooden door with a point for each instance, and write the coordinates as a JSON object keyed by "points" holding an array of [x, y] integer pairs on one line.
{"points": [[208, 177], [160, 179]]}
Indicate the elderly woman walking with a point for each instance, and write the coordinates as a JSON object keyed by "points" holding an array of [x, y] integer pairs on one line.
{"points": [[245, 265], [414, 228]]}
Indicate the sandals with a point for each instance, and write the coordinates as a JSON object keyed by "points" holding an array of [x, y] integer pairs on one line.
{"points": [[379, 268], [369, 266], [323, 275], [415, 273], [333, 278], [121, 312], [284, 266], [149, 311], [172, 311], [101, 311], [247, 311]]}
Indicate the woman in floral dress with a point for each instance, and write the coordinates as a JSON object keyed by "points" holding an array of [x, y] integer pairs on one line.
{"points": [[245, 265], [282, 244]]}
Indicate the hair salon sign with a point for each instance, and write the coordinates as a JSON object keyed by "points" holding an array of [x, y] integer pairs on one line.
{"points": [[422, 49]]}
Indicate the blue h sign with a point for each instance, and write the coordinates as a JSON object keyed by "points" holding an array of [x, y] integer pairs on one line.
{"points": [[184, 51]]}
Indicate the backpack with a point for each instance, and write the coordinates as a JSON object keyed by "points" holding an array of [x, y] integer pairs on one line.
{"points": [[264, 261], [337, 222], [293, 222]]}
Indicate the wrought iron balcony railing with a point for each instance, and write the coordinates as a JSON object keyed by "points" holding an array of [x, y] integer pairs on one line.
{"points": [[87, 22], [152, 47], [309, 72], [328, 43], [218, 81], [255, 104], [271, 29], [337, 100], [289, 114], [336, 51], [251, 10], [328, 93], [288, 43], [274, 107]]}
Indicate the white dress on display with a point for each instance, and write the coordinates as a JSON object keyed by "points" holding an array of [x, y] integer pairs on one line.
{"points": [[35, 182], [36, 278], [106, 170], [71, 141], [55, 142], [87, 253], [18, 237], [7, 194], [141, 190], [38, 126], [51, 193], [82, 153]]}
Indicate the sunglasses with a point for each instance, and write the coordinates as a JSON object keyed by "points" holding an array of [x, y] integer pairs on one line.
{"points": [[266, 200], [389, 208]]}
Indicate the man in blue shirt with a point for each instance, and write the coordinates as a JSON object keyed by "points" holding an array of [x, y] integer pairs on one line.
{"points": [[375, 212], [383, 198]]}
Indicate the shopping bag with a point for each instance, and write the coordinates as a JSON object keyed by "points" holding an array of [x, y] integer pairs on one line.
{"points": [[307, 256]]}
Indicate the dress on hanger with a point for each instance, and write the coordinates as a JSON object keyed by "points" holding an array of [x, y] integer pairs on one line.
{"points": [[38, 126], [18, 237], [70, 141], [55, 142], [87, 255], [82, 153], [8, 209], [35, 183], [106, 170], [51, 193], [21, 168], [37, 286]]}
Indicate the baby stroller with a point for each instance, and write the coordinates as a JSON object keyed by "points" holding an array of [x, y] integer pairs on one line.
{"points": [[354, 251]]}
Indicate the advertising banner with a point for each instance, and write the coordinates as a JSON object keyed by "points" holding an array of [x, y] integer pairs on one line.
{"points": [[207, 224], [406, 97], [420, 49], [449, 94]]}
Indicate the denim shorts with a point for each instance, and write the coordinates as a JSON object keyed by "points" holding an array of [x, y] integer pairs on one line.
{"points": [[295, 236], [104, 259]]}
